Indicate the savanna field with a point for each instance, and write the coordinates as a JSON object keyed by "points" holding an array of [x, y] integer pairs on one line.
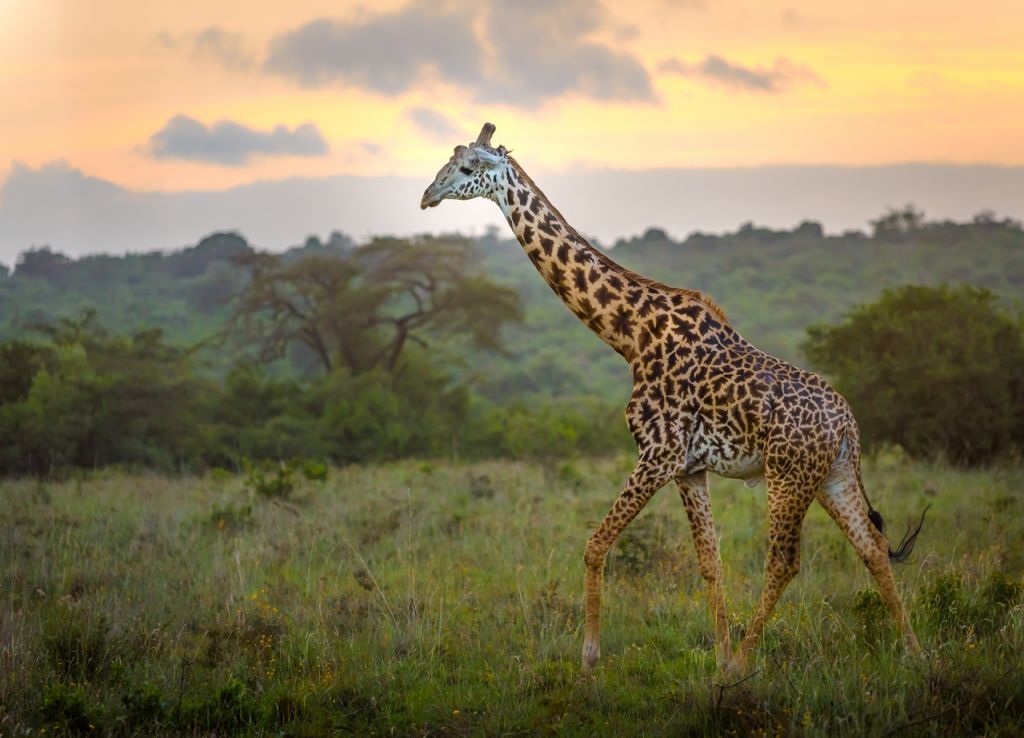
{"points": [[295, 443], [445, 598]]}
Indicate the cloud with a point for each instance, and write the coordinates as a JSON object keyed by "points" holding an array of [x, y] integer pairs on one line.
{"points": [[386, 53], [715, 70], [541, 51], [232, 144], [226, 47], [519, 54], [434, 123]]}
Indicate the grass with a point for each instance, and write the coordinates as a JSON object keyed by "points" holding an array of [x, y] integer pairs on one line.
{"points": [[444, 599]]}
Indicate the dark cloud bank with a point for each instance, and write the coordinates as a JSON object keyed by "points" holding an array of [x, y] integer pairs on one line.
{"points": [[529, 51], [76, 214]]}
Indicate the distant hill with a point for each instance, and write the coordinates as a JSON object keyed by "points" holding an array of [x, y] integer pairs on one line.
{"points": [[77, 214], [772, 283]]}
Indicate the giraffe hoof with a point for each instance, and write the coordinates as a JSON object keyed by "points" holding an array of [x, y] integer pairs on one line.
{"points": [[591, 654]]}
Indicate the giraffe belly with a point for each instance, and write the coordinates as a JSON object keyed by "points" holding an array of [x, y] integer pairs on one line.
{"points": [[748, 465], [711, 452]]}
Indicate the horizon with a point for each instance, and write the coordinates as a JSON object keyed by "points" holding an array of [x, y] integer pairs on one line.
{"points": [[77, 215]]}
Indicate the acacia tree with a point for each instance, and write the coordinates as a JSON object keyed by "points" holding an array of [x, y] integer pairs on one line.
{"points": [[362, 308]]}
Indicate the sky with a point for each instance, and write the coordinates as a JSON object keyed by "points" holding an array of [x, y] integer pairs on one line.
{"points": [[184, 105]]}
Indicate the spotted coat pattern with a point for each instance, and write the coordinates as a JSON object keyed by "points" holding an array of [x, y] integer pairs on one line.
{"points": [[704, 400]]}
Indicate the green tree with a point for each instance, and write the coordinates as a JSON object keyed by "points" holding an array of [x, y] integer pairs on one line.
{"points": [[56, 423], [936, 370], [19, 362], [360, 309], [90, 399]]}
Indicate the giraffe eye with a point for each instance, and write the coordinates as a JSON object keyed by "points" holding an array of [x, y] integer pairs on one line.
{"points": [[466, 170]]}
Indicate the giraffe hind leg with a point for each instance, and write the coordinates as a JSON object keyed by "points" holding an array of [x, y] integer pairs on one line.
{"points": [[788, 501], [841, 496]]}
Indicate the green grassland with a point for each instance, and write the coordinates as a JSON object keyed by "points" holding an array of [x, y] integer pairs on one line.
{"points": [[444, 599]]}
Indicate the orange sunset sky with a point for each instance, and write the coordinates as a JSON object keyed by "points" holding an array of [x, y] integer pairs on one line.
{"points": [[207, 95], [798, 82]]}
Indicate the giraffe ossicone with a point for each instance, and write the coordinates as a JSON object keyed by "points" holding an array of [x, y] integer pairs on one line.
{"points": [[704, 400]]}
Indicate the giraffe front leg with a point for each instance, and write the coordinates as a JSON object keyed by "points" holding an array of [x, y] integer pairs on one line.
{"points": [[694, 491], [787, 505], [645, 480]]}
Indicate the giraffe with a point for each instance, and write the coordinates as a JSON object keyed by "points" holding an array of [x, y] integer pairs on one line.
{"points": [[704, 400]]}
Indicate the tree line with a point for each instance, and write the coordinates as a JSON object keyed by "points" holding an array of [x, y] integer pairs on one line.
{"points": [[378, 324], [347, 354]]}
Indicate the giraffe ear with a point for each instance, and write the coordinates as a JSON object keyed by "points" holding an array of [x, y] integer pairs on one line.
{"points": [[488, 157]]}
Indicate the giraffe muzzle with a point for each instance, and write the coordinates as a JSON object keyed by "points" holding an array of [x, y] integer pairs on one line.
{"points": [[431, 199]]}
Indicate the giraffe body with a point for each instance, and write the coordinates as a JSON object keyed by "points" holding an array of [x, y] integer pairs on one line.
{"points": [[704, 400]]}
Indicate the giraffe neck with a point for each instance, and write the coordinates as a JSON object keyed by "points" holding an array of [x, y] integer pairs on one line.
{"points": [[609, 299]]}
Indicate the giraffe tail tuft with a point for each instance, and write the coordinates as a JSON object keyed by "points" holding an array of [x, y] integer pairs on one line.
{"points": [[906, 547]]}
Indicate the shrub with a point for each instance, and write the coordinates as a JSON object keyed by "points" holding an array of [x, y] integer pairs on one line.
{"points": [[230, 517], [63, 708], [229, 709], [314, 471], [870, 610], [144, 705], [999, 591], [996, 597], [270, 480], [944, 602], [933, 369]]}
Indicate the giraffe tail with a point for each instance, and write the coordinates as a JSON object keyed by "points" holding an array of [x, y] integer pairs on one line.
{"points": [[906, 545]]}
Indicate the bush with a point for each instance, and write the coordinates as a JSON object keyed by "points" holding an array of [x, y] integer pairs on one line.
{"points": [[375, 416], [63, 709], [314, 471], [933, 369], [944, 602], [144, 705], [271, 480], [870, 610], [547, 431]]}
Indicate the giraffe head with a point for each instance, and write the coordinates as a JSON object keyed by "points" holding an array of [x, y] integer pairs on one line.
{"points": [[473, 171]]}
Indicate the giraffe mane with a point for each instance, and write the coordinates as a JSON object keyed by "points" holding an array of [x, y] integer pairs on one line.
{"points": [[697, 295]]}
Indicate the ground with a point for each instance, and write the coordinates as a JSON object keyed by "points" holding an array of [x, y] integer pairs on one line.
{"points": [[444, 598]]}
